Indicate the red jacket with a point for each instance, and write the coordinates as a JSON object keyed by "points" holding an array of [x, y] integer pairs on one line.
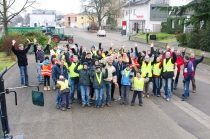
{"points": [[179, 62]]}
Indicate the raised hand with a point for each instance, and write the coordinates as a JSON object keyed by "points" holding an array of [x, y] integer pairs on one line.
{"points": [[152, 44], [183, 49], [172, 49], [13, 42], [49, 41], [28, 41], [202, 54], [35, 41], [168, 46]]}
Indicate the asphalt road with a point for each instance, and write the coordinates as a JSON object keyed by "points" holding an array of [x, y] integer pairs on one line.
{"points": [[156, 119]]}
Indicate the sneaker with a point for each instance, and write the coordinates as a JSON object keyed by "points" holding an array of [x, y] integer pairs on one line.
{"points": [[40, 83], [108, 105], [45, 88], [102, 105], [53, 87], [63, 109], [26, 84], [183, 99], [113, 99], [164, 96], [119, 98], [168, 99], [132, 104], [98, 107], [193, 91], [143, 95], [140, 104], [83, 105], [158, 95], [95, 106], [48, 88], [57, 106], [92, 98], [88, 105], [69, 107], [147, 96]]}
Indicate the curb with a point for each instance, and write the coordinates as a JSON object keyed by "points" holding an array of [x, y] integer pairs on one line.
{"points": [[11, 65]]}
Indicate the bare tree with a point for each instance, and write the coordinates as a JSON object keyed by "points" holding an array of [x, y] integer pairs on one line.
{"points": [[96, 7], [8, 13]]}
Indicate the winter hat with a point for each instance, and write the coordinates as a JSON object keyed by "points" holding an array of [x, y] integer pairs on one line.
{"points": [[93, 47], [98, 66], [144, 52], [85, 63], [96, 60], [146, 57], [46, 58], [88, 52]]}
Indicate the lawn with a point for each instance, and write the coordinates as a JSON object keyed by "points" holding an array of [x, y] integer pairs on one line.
{"points": [[161, 37], [6, 61]]}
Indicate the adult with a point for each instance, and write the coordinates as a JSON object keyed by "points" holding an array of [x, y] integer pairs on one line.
{"points": [[74, 77], [168, 73], [21, 55], [58, 70], [86, 57], [109, 80], [39, 57], [140, 55], [195, 62], [188, 75]]}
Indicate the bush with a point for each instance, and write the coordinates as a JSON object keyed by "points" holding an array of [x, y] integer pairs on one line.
{"points": [[21, 38], [182, 39]]}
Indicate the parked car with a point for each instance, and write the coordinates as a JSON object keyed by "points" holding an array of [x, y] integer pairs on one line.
{"points": [[101, 33]]}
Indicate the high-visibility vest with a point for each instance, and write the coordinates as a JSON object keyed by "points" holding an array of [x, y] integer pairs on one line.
{"points": [[135, 62], [54, 53], [63, 85], [156, 69], [168, 67], [46, 70], [71, 70], [138, 84], [146, 69], [125, 59]]}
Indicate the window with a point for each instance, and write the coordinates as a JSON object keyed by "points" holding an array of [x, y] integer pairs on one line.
{"points": [[126, 12], [172, 24], [134, 11], [75, 19], [81, 17], [69, 19]]}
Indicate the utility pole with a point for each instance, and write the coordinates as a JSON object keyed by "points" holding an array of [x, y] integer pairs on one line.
{"points": [[129, 19]]}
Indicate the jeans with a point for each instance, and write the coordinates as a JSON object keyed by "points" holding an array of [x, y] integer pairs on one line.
{"points": [[156, 86], [146, 88], [23, 75], [98, 96], [139, 93], [65, 100], [85, 92], [74, 83], [176, 80], [38, 72], [58, 98], [107, 88], [186, 89], [167, 87], [125, 89]]}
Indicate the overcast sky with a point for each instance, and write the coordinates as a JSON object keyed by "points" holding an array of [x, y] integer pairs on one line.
{"points": [[64, 6]]}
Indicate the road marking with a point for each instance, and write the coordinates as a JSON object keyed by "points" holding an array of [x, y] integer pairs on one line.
{"points": [[198, 115]]}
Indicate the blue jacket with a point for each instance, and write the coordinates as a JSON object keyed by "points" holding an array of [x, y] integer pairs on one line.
{"points": [[126, 79], [196, 61], [56, 72], [190, 72]]}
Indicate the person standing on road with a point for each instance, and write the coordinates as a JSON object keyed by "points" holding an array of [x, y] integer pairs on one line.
{"points": [[63, 86], [188, 75], [21, 54], [84, 81], [179, 62], [59, 69], [138, 82], [98, 85], [195, 62], [39, 57], [168, 73], [46, 73]]}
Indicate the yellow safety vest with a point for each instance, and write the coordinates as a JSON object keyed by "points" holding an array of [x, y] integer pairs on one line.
{"points": [[54, 53], [126, 73], [138, 84], [63, 85], [168, 67], [156, 69], [71, 70], [146, 69]]}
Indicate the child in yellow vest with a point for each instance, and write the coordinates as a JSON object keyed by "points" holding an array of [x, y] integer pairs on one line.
{"points": [[138, 83], [63, 84]]}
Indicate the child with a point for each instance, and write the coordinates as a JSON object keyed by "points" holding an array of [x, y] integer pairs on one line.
{"points": [[125, 88], [98, 85], [46, 72], [63, 84], [138, 87]]}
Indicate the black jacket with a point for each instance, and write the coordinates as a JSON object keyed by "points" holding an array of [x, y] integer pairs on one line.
{"points": [[22, 55], [44, 49], [95, 80], [84, 76]]}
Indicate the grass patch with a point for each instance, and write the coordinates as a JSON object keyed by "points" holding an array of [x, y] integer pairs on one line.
{"points": [[161, 37], [6, 61]]}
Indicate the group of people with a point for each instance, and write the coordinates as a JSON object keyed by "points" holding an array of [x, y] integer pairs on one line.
{"points": [[95, 74]]}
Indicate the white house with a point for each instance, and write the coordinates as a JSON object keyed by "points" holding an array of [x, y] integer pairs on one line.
{"points": [[145, 17], [40, 18]]}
